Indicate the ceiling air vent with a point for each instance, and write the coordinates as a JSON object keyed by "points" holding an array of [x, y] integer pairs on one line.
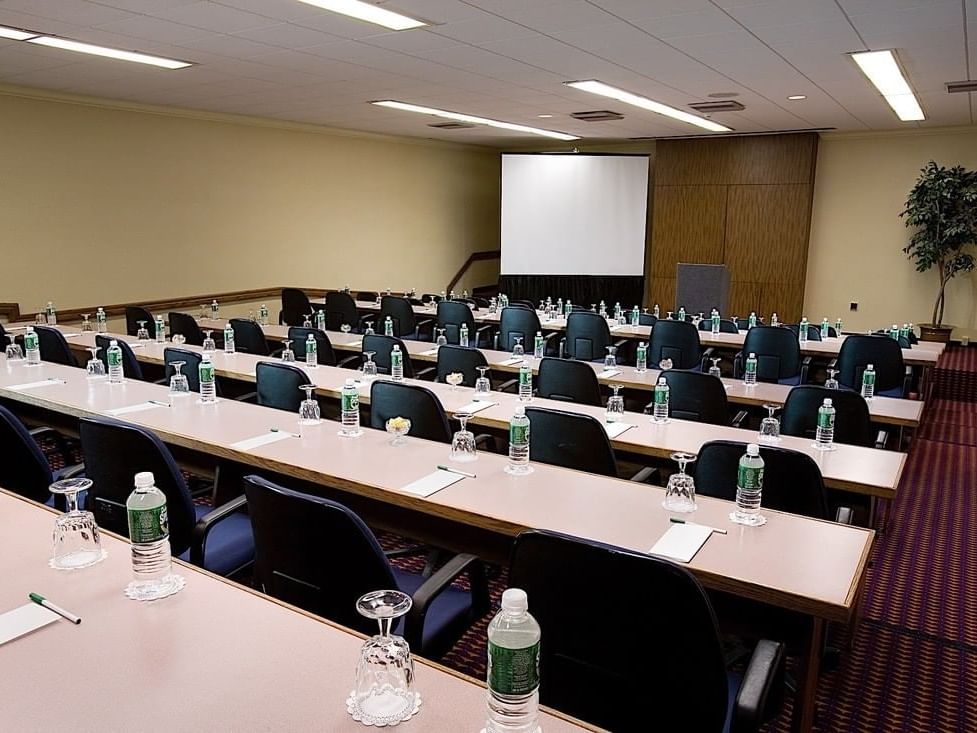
{"points": [[953, 87], [452, 125], [726, 105], [597, 115]]}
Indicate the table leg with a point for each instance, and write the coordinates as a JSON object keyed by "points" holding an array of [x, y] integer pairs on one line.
{"points": [[802, 720]]}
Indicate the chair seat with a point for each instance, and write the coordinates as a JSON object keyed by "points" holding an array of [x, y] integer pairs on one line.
{"points": [[733, 680], [446, 616], [230, 544], [790, 381], [894, 392]]}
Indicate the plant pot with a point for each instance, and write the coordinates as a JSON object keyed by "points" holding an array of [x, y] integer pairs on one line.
{"points": [[932, 332]]}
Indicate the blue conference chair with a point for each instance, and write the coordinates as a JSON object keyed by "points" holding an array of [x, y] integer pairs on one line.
{"points": [[678, 341], [54, 346], [778, 356], [25, 469], [278, 385], [219, 540], [892, 376], [319, 555], [568, 381], [587, 337], [130, 365]]}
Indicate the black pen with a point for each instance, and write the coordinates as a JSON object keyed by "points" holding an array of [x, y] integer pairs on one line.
{"points": [[676, 520]]}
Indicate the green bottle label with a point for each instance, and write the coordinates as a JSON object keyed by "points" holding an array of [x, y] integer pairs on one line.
{"points": [[868, 378], [826, 418], [525, 377], [749, 478], [311, 347], [518, 434], [148, 525], [661, 395], [513, 671], [751, 366], [642, 353], [114, 357], [30, 341], [206, 372], [395, 358], [351, 401]]}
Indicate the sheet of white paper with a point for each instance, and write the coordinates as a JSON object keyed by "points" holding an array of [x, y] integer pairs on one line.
{"points": [[617, 326], [682, 541], [353, 344], [24, 620], [259, 440], [432, 483], [607, 373], [36, 385], [70, 336], [614, 429], [513, 360], [136, 345], [138, 407], [473, 407], [429, 352]]}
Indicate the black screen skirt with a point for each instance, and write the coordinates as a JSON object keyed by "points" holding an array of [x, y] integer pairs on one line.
{"points": [[584, 290]]}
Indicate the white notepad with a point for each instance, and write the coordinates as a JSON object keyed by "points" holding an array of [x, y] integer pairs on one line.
{"points": [[259, 440], [513, 360], [473, 407], [432, 483], [614, 429], [138, 407], [71, 336], [24, 620], [36, 385], [607, 373], [681, 541], [429, 352]]}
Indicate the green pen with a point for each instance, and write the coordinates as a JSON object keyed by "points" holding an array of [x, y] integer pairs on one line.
{"points": [[42, 601]]}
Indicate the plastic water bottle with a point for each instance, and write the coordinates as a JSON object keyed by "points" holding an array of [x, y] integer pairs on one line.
{"points": [[635, 316], [825, 333], [749, 373], [463, 335], [149, 535], [660, 411], [50, 315], [32, 347], [912, 329], [388, 327], [749, 488], [263, 315], [868, 382], [101, 326], [838, 326], [350, 410], [228, 338], [904, 331], [160, 326], [396, 364], [802, 331], [513, 667], [894, 331], [774, 320], [751, 321], [320, 319], [681, 313], [656, 312], [715, 320], [602, 309], [519, 443], [617, 311], [525, 383], [538, 345], [311, 352], [825, 436], [208, 381], [113, 356], [214, 309], [568, 308], [641, 358]]}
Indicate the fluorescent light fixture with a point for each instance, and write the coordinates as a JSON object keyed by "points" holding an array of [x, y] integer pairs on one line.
{"points": [[111, 53], [15, 35], [797, 97], [883, 71], [369, 12], [544, 116], [605, 90], [473, 119]]}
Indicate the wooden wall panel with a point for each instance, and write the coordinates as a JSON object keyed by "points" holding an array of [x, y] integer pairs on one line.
{"points": [[727, 161], [691, 227], [743, 297], [661, 290]]}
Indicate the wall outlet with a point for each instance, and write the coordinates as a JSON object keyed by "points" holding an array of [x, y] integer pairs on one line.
{"points": [[853, 306]]}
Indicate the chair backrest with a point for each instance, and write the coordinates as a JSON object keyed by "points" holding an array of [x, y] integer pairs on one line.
{"points": [[587, 336], [647, 319], [299, 335], [460, 359], [524, 303], [418, 404], [726, 325], [295, 306], [580, 671], [382, 346], [368, 296], [858, 351], [314, 553], [130, 365], [451, 315], [696, 396], [54, 346], [248, 337], [191, 367], [675, 340], [813, 332], [340, 309], [25, 469], [853, 423], [791, 480], [278, 385], [568, 380], [401, 312], [571, 440], [114, 453], [186, 325], [135, 314], [516, 322], [777, 351]]}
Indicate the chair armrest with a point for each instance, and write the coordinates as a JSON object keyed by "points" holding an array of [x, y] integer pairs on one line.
{"points": [[276, 353], [198, 540], [907, 381], [644, 474], [562, 350], [69, 472], [845, 515], [881, 439], [805, 368], [251, 397], [437, 584], [483, 439], [408, 551], [505, 386], [738, 365], [833, 363], [737, 421], [429, 373], [349, 360], [61, 442], [164, 381], [428, 323], [648, 409], [761, 692], [705, 357]]}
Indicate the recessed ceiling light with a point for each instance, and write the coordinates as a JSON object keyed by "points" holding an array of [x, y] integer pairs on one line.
{"points": [[368, 12], [544, 116], [605, 90], [392, 104], [883, 71], [14, 34], [797, 97]]}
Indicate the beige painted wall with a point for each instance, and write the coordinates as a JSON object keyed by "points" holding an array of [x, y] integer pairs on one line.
{"points": [[857, 235], [103, 204]]}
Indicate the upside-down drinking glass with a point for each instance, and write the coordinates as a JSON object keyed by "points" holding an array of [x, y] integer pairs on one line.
{"points": [[680, 491], [309, 413], [615, 405], [142, 333], [517, 349], [831, 382], [442, 340], [203, 311], [307, 323], [345, 328], [483, 386], [179, 386], [463, 442], [369, 366], [714, 370], [209, 343], [287, 353], [665, 364], [86, 324], [770, 426], [76, 540], [13, 351], [610, 361], [94, 368]]}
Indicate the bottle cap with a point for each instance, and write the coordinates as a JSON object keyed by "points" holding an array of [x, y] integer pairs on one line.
{"points": [[396, 347], [515, 599], [827, 402], [350, 383], [144, 479], [112, 343], [206, 357], [870, 366], [753, 449], [662, 381], [752, 355], [520, 411]]}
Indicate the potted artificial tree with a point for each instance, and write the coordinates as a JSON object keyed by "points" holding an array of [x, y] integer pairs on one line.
{"points": [[942, 208]]}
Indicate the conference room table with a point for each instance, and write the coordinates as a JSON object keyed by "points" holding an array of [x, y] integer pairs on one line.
{"points": [[215, 657], [808, 566], [862, 470]]}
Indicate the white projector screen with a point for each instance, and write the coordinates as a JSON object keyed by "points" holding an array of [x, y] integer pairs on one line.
{"points": [[574, 214]]}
